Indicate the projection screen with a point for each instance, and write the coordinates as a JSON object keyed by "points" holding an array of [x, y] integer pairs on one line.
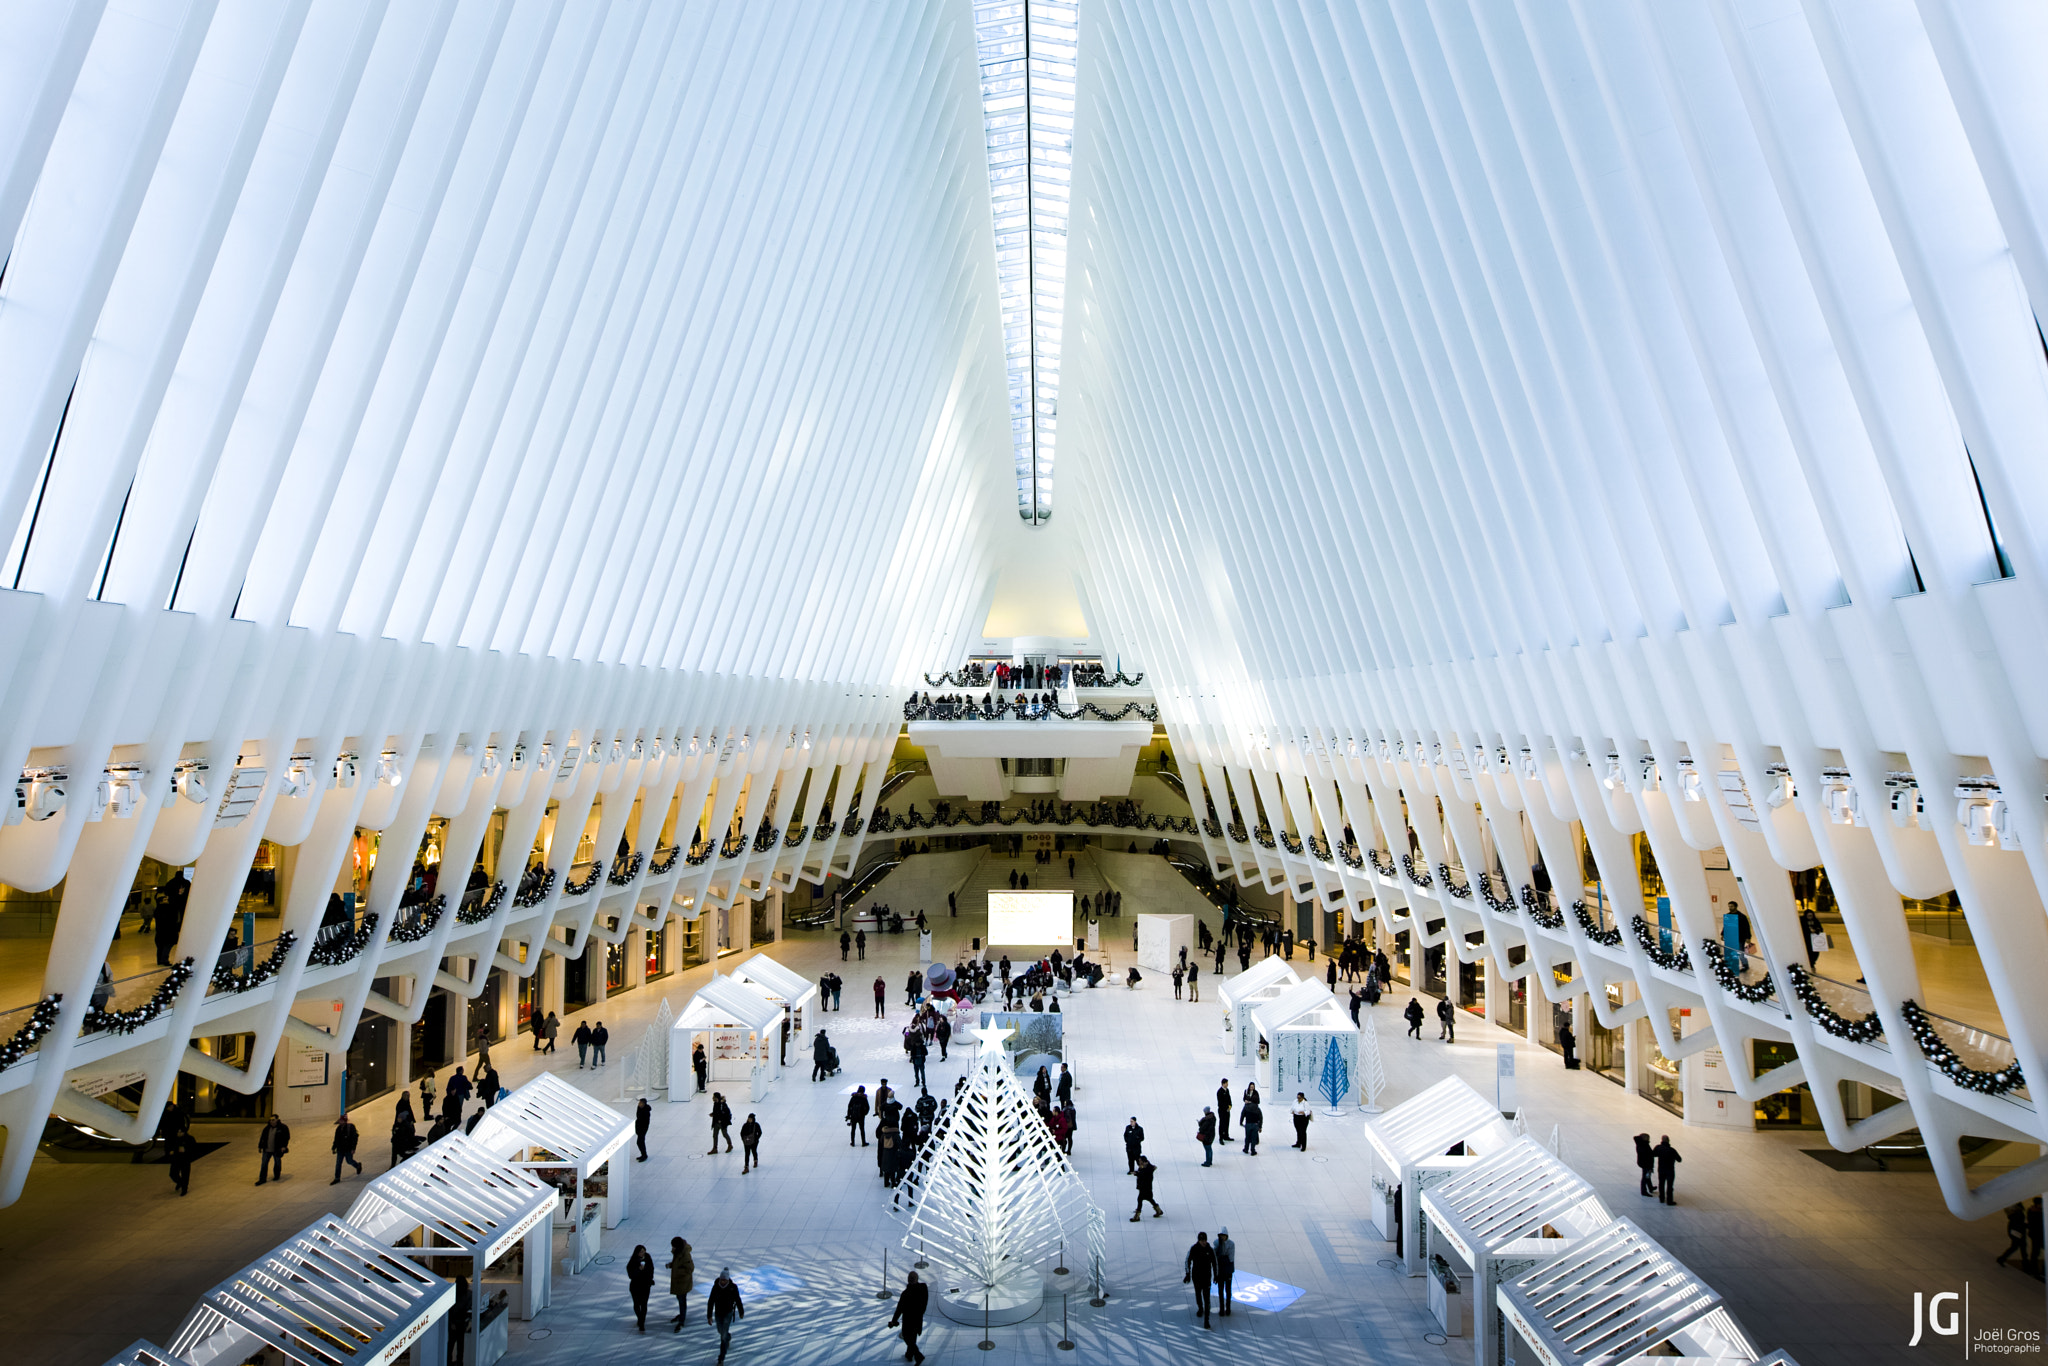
{"points": [[1030, 917]]}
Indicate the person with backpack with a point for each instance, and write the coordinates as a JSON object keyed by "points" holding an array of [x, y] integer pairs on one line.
{"points": [[1205, 1134], [721, 1122], [1414, 1016]]}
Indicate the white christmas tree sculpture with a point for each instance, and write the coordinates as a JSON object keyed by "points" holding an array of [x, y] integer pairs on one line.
{"points": [[1372, 1070], [993, 1194]]}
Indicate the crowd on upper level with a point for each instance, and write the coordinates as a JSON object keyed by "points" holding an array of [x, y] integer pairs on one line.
{"points": [[1006, 676]]}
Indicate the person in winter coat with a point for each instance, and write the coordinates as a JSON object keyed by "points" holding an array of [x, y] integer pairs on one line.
{"points": [[1302, 1116], [1414, 1016], [1446, 1021], [881, 997], [344, 1147], [1646, 1162], [181, 1146], [913, 987], [1205, 1134], [640, 1283], [581, 1038], [682, 1279], [700, 1063], [1667, 1170], [750, 1141], [845, 943], [909, 1315], [918, 1054], [860, 942], [1199, 1270], [857, 1116], [643, 1116], [271, 1146], [821, 1056], [1134, 1145], [1223, 1104], [720, 1308], [1145, 1172], [456, 1096], [1226, 1267], [1063, 1086], [721, 1122], [599, 1037], [554, 1031], [404, 1134], [1251, 1118], [944, 1035], [427, 1093], [1194, 981]]}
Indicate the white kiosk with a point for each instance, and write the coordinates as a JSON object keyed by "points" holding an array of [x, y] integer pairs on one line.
{"points": [[787, 987], [1619, 1298], [1161, 939], [1262, 981], [737, 1023], [549, 1126], [1307, 1044], [454, 1200], [1411, 1146], [1513, 1211], [329, 1285]]}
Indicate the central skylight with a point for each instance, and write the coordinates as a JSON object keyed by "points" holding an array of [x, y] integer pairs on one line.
{"points": [[1027, 97]]}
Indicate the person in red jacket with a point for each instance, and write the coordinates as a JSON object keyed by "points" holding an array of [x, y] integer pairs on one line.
{"points": [[881, 996]]}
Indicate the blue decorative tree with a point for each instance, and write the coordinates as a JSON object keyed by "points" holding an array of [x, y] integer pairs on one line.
{"points": [[1336, 1077]]}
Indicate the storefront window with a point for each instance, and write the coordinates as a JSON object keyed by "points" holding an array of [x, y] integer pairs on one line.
{"points": [[657, 941], [1661, 1079], [1791, 1109], [615, 967], [1518, 993]]}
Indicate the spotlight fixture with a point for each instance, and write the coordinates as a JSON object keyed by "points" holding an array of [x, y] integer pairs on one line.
{"points": [[347, 767], [39, 795], [387, 769], [188, 780]]}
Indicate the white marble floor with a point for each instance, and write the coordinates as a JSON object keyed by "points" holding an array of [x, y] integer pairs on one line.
{"points": [[1821, 1262]]}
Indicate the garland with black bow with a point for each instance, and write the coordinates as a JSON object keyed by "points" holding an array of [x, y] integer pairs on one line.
{"points": [[624, 870], [98, 1021], [1546, 915], [1869, 1029], [1996, 1082], [1419, 879], [226, 979], [410, 929], [1003, 708], [534, 890], [1675, 960], [328, 953], [25, 1040], [483, 910], [1500, 905], [1731, 981], [1382, 862], [1584, 915], [1460, 890], [590, 880], [664, 862]]}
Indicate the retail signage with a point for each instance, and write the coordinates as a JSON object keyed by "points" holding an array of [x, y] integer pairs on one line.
{"points": [[1262, 1293]]}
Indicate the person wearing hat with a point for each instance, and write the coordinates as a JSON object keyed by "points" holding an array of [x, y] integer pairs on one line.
{"points": [[910, 1307], [721, 1306], [682, 1278], [1226, 1267]]}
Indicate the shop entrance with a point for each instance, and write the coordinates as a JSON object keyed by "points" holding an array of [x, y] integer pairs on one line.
{"points": [[369, 1059], [576, 982], [430, 1036], [486, 1023]]}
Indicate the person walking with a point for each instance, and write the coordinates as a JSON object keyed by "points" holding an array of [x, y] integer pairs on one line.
{"points": [[271, 1146], [682, 1279], [881, 997], [581, 1038], [857, 1116], [700, 1063], [913, 987], [1226, 1267], [721, 1306], [845, 943], [643, 1116], [554, 1030], [1251, 1117], [1646, 1162], [640, 1283], [1205, 1134], [1330, 975], [1446, 1021], [860, 942], [909, 1315], [1194, 981], [1134, 1145], [1667, 1169], [1414, 1016], [1145, 1172], [1199, 1270], [1302, 1115], [599, 1037], [538, 1020], [404, 1131], [944, 1035], [427, 1092], [2034, 1230], [918, 1054], [344, 1147], [750, 1144], [180, 1154], [455, 1097], [721, 1122], [821, 1056], [2015, 1232], [1223, 1111]]}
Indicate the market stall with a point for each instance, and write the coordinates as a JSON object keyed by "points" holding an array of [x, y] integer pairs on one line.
{"points": [[329, 1296], [1307, 1045], [1261, 981], [1162, 938], [565, 1136], [1514, 1210], [787, 987], [1618, 1297], [1420, 1143], [737, 1023], [454, 1202]]}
